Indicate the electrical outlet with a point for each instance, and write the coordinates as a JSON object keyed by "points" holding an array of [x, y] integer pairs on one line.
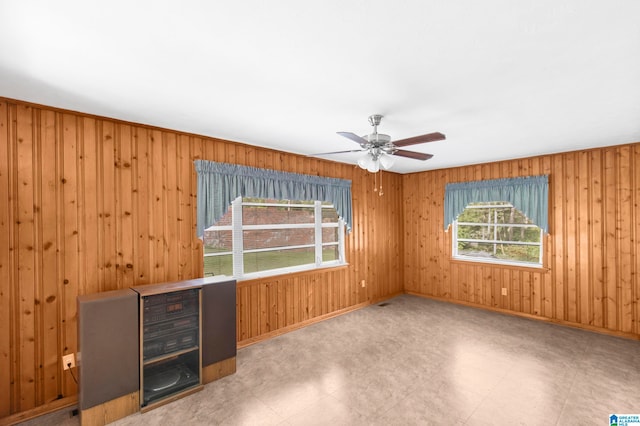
{"points": [[68, 361], [504, 291], [362, 283]]}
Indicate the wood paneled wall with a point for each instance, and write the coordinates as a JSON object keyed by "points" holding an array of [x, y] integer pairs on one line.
{"points": [[94, 204], [592, 252]]}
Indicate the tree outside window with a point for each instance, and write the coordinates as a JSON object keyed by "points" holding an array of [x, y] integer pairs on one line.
{"points": [[497, 232]]}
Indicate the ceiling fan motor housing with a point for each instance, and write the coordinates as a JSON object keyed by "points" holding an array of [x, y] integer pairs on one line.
{"points": [[377, 139], [375, 119]]}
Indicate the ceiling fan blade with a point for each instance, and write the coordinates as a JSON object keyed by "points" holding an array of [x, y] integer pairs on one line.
{"points": [[354, 137], [430, 137], [337, 152], [413, 154]]}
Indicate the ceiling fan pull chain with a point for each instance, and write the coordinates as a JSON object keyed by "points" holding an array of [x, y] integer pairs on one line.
{"points": [[380, 193], [375, 182]]}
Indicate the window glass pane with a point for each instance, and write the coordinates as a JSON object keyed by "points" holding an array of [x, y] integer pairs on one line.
{"points": [[329, 215], [470, 249], [298, 229], [268, 238], [475, 216], [218, 265], [329, 235], [217, 241], [489, 227], [262, 261], [329, 253], [475, 232], [511, 252], [492, 213], [521, 234], [270, 215], [518, 253]]}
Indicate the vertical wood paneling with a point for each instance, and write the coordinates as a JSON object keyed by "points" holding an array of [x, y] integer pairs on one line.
{"points": [[591, 254], [596, 260], [183, 188], [71, 266], [108, 200], [124, 208], [50, 320], [89, 170], [547, 288], [6, 267], [569, 238], [611, 237], [142, 264], [556, 236], [97, 205], [25, 234], [157, 166], [636, 236], [625, 240], [585, 216]]}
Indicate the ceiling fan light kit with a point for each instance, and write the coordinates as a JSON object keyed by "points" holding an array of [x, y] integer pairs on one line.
{"points": [[373, 161], [386, 161], [380, 150], [366, 162]]}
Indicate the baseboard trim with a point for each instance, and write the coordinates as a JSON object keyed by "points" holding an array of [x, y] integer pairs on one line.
{"points": [[289, 328], [41, 410], [387, 297], [111, 411], [218, 370], [564, 323]]}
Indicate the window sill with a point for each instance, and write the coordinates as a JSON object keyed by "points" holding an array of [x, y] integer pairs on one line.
{"points": [[289, 271], [505, 265]]}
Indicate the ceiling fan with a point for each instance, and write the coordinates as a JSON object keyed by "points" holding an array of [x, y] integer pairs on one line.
{"points": [[379, 148]]}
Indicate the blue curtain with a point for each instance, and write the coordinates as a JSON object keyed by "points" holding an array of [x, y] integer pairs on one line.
{"points": [[221, 183], [528, 194]]}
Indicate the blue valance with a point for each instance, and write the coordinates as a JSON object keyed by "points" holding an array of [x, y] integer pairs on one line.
{"points": [[528, 194], [221, 183]]}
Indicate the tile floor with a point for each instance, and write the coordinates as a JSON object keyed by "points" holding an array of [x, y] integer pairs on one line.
{"points": [[416, 362]]}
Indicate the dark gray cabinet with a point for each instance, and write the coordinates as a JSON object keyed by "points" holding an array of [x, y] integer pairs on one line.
{"points": [[170, 342], [148, 345]]}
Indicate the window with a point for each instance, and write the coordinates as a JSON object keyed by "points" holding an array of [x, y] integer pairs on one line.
{"points": [[258, 237], [496, 232]]}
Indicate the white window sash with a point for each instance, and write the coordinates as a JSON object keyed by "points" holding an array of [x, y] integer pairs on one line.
{"points": [[237, 237], [455, 240], [237, 233]]}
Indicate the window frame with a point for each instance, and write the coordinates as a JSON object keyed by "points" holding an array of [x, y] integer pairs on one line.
{"points": [[495, 225], [237, 229]]}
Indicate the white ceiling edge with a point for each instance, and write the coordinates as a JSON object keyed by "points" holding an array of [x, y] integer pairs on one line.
{"points": [[501, 79]]}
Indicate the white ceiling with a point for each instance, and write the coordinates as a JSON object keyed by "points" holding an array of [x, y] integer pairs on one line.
{"points": [[500, 78]]}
